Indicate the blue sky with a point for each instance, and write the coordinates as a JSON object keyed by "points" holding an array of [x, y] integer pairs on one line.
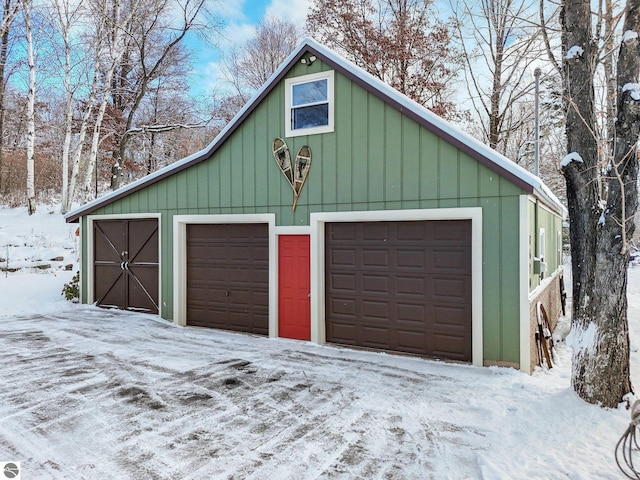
{"points": [[240, 18]]}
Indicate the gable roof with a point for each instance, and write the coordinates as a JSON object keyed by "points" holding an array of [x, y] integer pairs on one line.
{"points": [[464, 142]]}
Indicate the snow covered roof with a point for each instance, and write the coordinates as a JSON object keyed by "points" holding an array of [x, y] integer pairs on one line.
{"points": [[474, 148]]}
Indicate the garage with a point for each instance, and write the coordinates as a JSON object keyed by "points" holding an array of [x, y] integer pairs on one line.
{"points": [[228, 277], [125, 266], [311, 232], [401, 286]]}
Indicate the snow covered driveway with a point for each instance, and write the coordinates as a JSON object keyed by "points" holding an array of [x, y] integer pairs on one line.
{"points": [[92, 393]]}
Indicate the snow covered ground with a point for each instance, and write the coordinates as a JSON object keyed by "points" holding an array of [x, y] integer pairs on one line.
{"points": [[92, 394]]}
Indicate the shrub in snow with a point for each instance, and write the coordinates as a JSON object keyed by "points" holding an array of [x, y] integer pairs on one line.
{"points": [[71, 290]]}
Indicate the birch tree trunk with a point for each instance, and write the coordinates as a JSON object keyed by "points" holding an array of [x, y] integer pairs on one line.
{"points": [[599, 230], [117, 25], [31, 100], [10, 10], [62, 9]]}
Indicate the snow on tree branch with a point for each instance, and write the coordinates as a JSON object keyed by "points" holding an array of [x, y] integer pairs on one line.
{"points": [[572, 157], [163, 128], [629, 36], [574, 52], [634, 89]]}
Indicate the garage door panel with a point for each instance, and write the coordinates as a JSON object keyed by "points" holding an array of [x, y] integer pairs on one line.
{"points": [[343, 306], [451, 316], [455, 232], [344, 333], [452, 347], [109, 286], [228, 277], [410, 286], [375, 284], [376, 232], [109, 240], [449, 287], [375, 337], [403, 286], [411, 258], [450, 260], [343, 256], [143, 241], [342, 281], [410, 341], [374, 258], [411, 313], [375, 310], [411, 232]]}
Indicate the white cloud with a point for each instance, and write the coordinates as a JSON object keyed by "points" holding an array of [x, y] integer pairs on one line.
{"points": [[293, 10]]}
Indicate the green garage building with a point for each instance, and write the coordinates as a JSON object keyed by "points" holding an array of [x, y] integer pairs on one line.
{"points": [[374, 224]]}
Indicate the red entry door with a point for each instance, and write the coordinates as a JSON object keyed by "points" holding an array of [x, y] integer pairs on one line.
{"points": [[294, 287]]}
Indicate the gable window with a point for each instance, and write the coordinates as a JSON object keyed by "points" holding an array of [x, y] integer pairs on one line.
{"points": [[309, 104]]}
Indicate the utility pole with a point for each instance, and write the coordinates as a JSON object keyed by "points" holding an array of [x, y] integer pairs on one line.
{"points": [[536, 140]]}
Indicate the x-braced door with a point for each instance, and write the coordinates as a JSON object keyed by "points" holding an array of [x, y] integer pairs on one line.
{"points": [[126, 264]]}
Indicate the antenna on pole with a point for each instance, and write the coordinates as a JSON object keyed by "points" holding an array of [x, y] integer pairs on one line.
{"points": [[536, 140]]}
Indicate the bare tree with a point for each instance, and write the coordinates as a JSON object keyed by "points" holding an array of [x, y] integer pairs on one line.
{"points": [[9, 12], [153, 50], [67, 17], [501, 38], [599, 225], [399, 41], [27, 6], [248, 66]]}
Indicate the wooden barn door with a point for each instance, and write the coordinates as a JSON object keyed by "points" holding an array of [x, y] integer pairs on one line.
{"points": [[126, 264]]}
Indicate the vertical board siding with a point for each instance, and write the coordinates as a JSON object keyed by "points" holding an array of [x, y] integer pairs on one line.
{"points": [[359, 146], [410, 163], [509, 277], [393, 160], [376, 153], [376, 159], [344, 153]]}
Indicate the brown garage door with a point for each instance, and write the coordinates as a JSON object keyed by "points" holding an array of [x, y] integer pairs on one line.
{"points": [[228, 277], [400, 286], [126, 264]]}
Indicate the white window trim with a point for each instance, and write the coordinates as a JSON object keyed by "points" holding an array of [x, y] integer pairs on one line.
{"points": [[289, 83]]}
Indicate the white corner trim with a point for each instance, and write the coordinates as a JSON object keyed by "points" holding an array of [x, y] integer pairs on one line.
{"points": [[318, 220], [90, 251], [523, 291], [180, 223]]}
